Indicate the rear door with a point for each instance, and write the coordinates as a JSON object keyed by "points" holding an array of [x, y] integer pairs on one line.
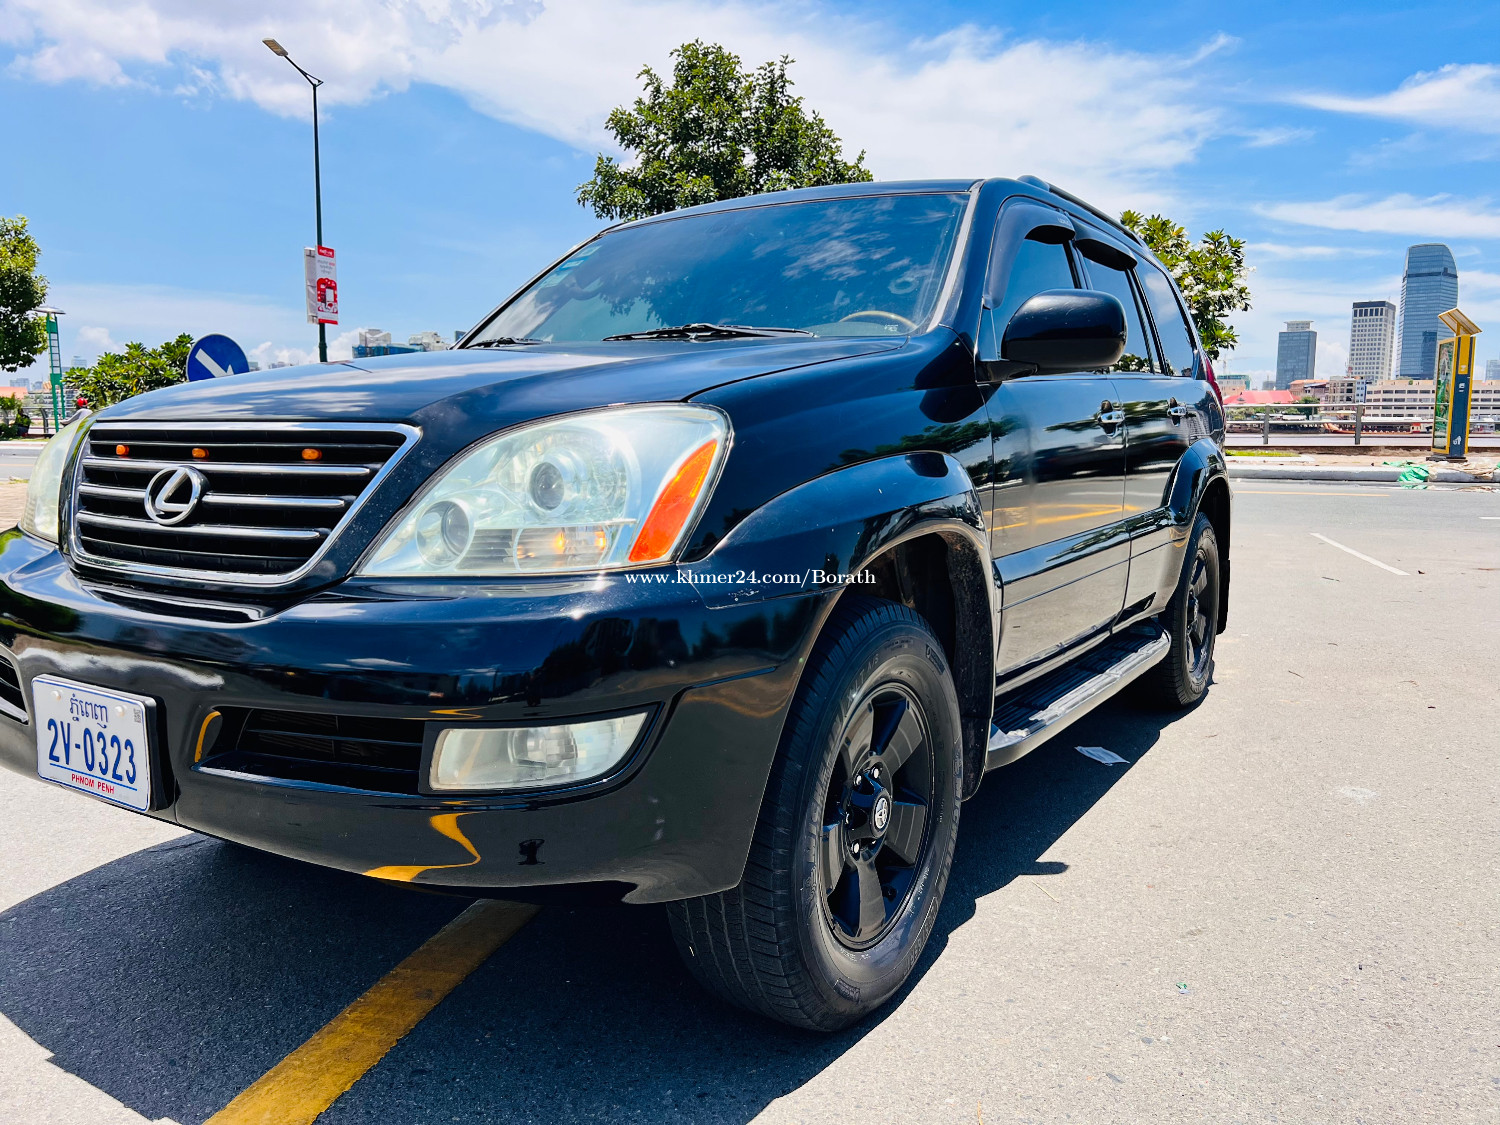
{"points": [[1058, 494], [1158, 380]]}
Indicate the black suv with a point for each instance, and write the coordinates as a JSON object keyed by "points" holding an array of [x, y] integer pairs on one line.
{"points": [[714, 569]]}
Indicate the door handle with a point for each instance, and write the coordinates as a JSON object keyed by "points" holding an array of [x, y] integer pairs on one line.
{"points": [[1178, 413], [1108, 418]]}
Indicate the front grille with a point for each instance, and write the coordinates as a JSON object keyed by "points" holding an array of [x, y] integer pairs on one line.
{"points": [[356, 752], [12, 698], [271, 496]]}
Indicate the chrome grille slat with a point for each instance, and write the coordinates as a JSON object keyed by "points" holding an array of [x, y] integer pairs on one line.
{"points": [[272, 495], [284, 534], [122, 465]]}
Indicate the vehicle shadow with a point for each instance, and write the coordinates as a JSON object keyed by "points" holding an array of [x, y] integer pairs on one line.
{"points": [[176, 976]]}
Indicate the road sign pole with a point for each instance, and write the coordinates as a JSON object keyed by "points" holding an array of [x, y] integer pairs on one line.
{"points": [[318, 206]]}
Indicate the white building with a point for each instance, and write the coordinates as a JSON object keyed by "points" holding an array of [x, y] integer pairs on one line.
{"points": [[427, 341], [1413, 398], [1372, 333]]}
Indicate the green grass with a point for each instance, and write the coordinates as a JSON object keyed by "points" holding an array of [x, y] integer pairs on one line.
{"points": [[1263, 453]]}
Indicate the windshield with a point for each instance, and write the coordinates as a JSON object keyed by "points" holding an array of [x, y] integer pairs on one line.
{"points": [[871, 265]]}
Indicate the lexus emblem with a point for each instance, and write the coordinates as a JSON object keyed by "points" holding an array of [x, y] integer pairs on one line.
{"points": [[173, 494]]}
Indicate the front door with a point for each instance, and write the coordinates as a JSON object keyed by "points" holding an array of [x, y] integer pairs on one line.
{"points": [[1060, 551]]}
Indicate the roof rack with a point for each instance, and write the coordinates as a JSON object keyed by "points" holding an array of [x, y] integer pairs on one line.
{"points": [[1038, 182]]}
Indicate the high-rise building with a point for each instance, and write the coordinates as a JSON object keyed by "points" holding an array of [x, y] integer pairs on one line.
{"points": [[1428, 287], [1296, 353], [1372, 329], [1492, 371]]}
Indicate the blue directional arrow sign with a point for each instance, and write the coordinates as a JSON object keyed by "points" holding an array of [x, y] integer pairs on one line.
{"points": [[213, 357]]}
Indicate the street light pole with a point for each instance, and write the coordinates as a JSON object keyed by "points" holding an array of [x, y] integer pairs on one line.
{"points": [[278, 49]]}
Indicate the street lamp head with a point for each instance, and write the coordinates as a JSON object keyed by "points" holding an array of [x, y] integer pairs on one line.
{"points": [[276, 48], [48, 310]]}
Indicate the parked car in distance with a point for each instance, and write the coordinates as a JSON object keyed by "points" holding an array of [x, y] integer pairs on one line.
{"points": [[714, 569]]}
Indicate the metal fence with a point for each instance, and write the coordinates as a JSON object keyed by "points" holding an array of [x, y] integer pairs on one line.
{"points": [[1356, 421]]}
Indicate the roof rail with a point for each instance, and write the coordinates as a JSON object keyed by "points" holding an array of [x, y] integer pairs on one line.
{"points": [[1038, 182]]}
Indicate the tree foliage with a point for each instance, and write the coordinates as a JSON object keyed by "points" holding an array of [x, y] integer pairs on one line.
{"points": [[718, 131], [1211, 274], [23, 334], [121, 375]]}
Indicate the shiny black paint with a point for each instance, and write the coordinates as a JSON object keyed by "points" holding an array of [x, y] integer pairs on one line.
{"points": [[845, 452]]}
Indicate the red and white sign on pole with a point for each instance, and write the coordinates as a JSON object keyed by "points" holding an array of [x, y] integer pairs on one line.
{"points": [[322, 285]]}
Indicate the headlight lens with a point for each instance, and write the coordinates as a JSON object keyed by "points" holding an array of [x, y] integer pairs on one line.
{"points": [[44, 493], [611, 488]]}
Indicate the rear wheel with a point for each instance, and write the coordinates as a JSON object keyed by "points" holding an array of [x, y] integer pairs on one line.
{"points": [[1191, 620], [856, 832]]}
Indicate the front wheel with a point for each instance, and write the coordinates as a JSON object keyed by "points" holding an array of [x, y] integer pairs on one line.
{"points": [[1191, 620], [856, 831]]}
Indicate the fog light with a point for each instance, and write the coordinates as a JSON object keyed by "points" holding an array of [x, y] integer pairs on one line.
{"points": [[467, 758]]}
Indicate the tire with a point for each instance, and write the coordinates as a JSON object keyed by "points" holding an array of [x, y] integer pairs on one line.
{"points": [[855, 838], [1191, 620]]}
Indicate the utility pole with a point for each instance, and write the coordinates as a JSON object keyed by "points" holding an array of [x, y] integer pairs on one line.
{"points": [[278, 49]]}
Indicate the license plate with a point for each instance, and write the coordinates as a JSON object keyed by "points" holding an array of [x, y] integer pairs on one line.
{"points": [[93, 740]]}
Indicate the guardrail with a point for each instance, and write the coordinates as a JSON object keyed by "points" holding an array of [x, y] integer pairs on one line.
{"points": [[1354, 420]]}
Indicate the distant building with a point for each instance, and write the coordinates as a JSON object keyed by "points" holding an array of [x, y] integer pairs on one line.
{"points": [[278, 363], [428, 342], [1258, 398], [1428, 287], [1308, 388], [1296, 353], [1345, 391], [1372, 332], [1492, 371], [1233, 384]]}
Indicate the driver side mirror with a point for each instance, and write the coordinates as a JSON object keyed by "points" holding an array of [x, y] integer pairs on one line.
{"points": [[1063, 330]]}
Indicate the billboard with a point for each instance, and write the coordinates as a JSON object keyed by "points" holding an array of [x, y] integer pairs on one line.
{"points": [[322, 285]]}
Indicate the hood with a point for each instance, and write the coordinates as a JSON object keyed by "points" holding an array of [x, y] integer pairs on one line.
{"points": [[493, 386]]}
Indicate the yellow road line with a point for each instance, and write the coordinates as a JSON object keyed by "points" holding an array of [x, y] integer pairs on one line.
{"points": [[309, 1080]]}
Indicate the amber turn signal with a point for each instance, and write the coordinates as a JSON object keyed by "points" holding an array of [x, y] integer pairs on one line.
{"points": [[199, 454], [673, 506], [312, 455], [122, 451]]}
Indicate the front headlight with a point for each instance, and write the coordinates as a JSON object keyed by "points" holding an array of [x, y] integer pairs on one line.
{"points": [[607, 489], [44, 492]]}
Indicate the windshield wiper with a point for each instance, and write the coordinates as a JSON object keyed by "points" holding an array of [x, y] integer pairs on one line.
{"points": [[691, 331], [501, 341]]}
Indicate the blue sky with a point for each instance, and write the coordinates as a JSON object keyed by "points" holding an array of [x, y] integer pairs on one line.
{"points": [[170, 183]]}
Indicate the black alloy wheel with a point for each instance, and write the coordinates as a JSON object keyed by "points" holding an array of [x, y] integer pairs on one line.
{"points": [[856, 831], [1191, 621], [875, 815]]}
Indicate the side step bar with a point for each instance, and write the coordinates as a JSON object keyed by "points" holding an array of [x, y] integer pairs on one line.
{"points": [[1028, 716]]}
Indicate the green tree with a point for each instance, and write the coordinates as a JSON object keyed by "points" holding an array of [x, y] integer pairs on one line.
{"points": [[23, 334], [718, 131], [121, 375], [1211, 274]]}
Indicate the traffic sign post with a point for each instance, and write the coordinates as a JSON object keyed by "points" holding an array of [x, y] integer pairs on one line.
{"points": [[215, 356], [1453, 388]]}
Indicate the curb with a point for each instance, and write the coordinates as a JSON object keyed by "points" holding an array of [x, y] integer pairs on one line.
{"points": [[1377, 475]]}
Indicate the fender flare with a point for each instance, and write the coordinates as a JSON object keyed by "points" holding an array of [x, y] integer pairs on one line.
{"points": [[842, 521]]}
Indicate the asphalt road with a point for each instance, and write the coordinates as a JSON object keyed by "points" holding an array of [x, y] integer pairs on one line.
{"points": [[17, 457], [1282, 909]]}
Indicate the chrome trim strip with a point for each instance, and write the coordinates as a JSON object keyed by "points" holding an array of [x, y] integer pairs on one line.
{"points": [[228, 531], [14, 712], [234, 499], [77, 553]]}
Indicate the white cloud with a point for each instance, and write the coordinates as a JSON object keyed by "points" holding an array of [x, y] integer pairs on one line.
{"points": [[1106, 122], [1283, 251], [1461, 96], [1266, 138], [1437, 216]]}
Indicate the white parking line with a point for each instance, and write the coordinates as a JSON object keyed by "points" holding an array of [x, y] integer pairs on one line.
{"points": [[1358, 555]]}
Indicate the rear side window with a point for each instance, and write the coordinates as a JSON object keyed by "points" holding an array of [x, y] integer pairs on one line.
{"points": [[1036, 267], [1138, 354], [1171, 327]]}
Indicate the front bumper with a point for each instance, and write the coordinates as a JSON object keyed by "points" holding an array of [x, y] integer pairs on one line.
{"points": [[674, 822]]}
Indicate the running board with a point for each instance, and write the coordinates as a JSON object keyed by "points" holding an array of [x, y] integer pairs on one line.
{"points": [[1028, 716]]}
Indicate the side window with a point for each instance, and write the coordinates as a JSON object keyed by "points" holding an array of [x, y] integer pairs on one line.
{"points": [[1035, 267], [1171, 327], [1116, 282]]}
